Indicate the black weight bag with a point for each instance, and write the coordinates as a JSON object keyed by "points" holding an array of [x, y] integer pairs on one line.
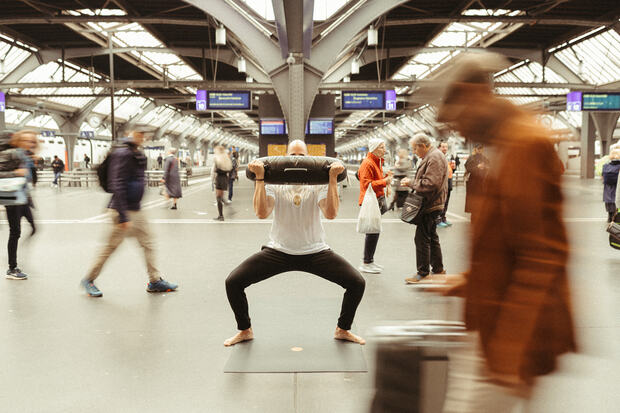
{"points": [[297, 170]]}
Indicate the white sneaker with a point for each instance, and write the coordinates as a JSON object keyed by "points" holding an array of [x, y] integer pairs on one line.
{"points": [[369, 268], [379, 267]]}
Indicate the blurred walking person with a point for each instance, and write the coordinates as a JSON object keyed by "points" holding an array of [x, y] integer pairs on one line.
{"points": [[222, 165], [401, 170], [29, 144], [610, 181], [126, 180], [171, 177], [516, 291], [476, 170], [14, 175], [58, 166], [233, 174], [443, 221]]}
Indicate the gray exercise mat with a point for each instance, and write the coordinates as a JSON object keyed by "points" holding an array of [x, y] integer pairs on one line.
{"points": [[295, 337]]}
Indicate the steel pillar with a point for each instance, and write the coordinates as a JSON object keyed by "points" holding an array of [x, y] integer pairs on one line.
{"points": [[605, 123], [587, 145]]}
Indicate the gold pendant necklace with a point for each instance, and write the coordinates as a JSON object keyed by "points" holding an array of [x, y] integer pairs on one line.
{"points": [[296, 198]]}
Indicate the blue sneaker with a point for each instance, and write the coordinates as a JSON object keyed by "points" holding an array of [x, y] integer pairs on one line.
{"points": [[160, 286], [442, 225], [448, 223], [16, 274], [91, 288]]}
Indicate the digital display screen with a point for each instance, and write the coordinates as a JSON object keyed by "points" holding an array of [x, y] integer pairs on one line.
{"points": [[357, 100], [320, 127], [272, 127], [227, 100], [600, 101], [573, 102], [201, 100], [390, 100]]}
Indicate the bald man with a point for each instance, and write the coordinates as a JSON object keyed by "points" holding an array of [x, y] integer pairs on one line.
{"points": [[296, 243]]}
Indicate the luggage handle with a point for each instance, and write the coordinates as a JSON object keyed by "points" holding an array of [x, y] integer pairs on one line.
{"points": [[296, 169]]}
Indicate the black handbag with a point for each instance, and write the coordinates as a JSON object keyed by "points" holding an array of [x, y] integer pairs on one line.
{"points": [[412, 208]]}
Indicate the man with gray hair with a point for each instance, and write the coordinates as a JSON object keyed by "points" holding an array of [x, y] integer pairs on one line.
{"points": [[431, 181]]}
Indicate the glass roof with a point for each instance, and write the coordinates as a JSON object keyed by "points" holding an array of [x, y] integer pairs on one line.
{"points": [[595, 60], [12, 54], [323, 9]]}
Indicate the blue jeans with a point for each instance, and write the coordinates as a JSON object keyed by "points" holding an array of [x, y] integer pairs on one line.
{"points": [[56, 177]]}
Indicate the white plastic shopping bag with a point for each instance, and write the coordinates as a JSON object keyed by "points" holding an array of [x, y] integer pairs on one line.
{"points": [[369, 218]]}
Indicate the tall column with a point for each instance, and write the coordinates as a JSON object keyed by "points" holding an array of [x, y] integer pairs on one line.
{"points": [[587, 145]]}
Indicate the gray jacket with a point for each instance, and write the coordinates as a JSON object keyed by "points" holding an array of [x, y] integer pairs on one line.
{"points": [[431, 180]]}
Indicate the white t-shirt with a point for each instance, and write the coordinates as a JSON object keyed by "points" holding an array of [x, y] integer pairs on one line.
{"points": [[297, 228]]}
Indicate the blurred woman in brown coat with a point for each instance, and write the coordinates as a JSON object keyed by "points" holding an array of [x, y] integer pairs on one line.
{"points": [[516, 291]]}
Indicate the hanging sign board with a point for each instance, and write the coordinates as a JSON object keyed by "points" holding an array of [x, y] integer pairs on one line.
{"points": [[368, 100], [229, 100], [2, 102], [600, 101], [201, 100]]}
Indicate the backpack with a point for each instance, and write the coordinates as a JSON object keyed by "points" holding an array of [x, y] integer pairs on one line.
{"points": [[102, 173]]}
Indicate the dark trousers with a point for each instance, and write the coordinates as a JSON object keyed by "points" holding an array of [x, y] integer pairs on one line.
{"points": [[370, 246], [427, 248], [14, 216], [442, 217], [269, 262], [230, 188]]}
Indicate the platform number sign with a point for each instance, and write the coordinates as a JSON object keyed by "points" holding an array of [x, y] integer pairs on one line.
{"points": [[390, 100], [201, 100], [2, 102], [88, 134]]}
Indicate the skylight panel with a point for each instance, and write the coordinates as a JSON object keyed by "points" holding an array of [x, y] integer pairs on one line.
{"points": [[323, 9], [15, 116], [10, 57], [596, 60], [42, 122]]}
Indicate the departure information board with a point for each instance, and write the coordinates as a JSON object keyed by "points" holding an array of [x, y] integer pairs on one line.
{"points": [[227, 100], [320, 127], [601, 101], [359, 100], [272, 127], [223, 100], [368, 100]]}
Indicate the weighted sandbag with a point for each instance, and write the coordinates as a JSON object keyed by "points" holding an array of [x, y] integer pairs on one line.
{"points": [[296, 170]]}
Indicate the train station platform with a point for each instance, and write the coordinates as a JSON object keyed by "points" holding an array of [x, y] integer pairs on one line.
{"points": [[131, 351]]}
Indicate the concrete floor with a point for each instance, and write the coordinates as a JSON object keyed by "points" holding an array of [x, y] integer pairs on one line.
{"points": [[62, 351]]}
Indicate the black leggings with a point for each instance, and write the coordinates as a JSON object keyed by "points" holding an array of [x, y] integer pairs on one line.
{"points": [[14, 215], [269, 262]]}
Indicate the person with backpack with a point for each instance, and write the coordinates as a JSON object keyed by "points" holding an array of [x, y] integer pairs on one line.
{"points": [[122, 174], [14, 176], [58, 166], [86, 161]]}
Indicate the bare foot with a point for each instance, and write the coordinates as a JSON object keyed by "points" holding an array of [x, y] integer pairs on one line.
{"points": [[348, 336], [243, 335]]}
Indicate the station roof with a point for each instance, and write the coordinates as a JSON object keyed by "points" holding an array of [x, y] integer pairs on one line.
{"points": [[168, 48]]}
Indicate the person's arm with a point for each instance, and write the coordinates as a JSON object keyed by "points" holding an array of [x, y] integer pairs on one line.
{"points": [[330, 205], [119, 170], [263, 204]]}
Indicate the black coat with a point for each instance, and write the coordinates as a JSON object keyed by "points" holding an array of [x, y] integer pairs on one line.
{"points": [[126, 179], [475, 180], [610, 180]]}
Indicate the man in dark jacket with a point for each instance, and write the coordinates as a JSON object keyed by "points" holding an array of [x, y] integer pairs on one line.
{"points": [[431, 181], [476, 167], [126, 180], [58, 166]]}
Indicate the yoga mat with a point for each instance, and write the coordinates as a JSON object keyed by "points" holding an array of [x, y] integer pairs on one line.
{"points": [[295, 336]]}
